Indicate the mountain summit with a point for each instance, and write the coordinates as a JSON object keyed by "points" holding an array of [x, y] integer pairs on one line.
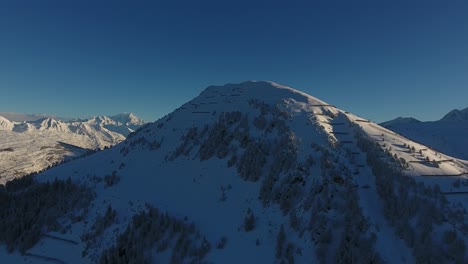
{"points": [[399, 121], [456, 115], [255, 172], [128, 119], [5, 124]]}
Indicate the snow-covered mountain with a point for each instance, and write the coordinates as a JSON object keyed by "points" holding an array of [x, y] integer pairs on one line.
{"points": [[400, 121], [122, 123], [21, 117], [456, 116], [5, 124], [254, 172], [447, 135], [35, 145]]}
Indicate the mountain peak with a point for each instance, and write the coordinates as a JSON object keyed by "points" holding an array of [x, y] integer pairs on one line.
{"points": [[272, 163], [400, 120], [267, 91], [128, 119], [456, 115], [5, 124]]}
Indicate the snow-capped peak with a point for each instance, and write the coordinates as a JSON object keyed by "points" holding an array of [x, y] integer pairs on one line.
{"points": [[265, 90], [50, 124], [128, 119], [5, 124]]}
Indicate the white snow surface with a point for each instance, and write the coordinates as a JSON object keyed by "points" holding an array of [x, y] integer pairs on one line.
{"points": [[5, 124], [31, 146], [187, 186], [447, 135]]}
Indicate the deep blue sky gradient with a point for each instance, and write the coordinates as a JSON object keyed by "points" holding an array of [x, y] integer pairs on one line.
{"points": [[378, 58]]}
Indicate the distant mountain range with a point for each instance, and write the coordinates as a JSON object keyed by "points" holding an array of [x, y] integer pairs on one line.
{"points": [[34, 145], [21, 117], [448, 135], [255, 172]]}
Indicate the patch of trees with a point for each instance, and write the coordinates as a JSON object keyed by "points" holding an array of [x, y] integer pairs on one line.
{"points": [[231, 131], [101, 223], [219, 139], [152, 231], [458, 183], [284, 162], [111, 180], [230, 126], [285, 250], [222, 243], [249, 221], [29, 208], [355, 244], [188, 139], [414, 209], [335, 215], [249, 167], [215, 140], [269, 109], [134, 141]]}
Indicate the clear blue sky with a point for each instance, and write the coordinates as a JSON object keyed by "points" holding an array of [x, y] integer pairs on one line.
{"points": [[379, 58]]}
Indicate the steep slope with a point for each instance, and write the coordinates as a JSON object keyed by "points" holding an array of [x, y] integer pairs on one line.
{"points": [[5, 124], [447, 135], [456, 116], [36, 145], [257, 173]]}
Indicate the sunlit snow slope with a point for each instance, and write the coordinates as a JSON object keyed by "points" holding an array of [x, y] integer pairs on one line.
{"points": [[27, 147], [448, 135], [258, 173]]}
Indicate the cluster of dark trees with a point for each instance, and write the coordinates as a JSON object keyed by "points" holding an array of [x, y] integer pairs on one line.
{"points": [[29, 208], [214, 140], [150, 231], [265, 109], [111, 180], [337, 225], [230, 137], [414, 209], [249, 220], [330, 198], [101, 223], [284, 251], [134, 141], [284, 176]]}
